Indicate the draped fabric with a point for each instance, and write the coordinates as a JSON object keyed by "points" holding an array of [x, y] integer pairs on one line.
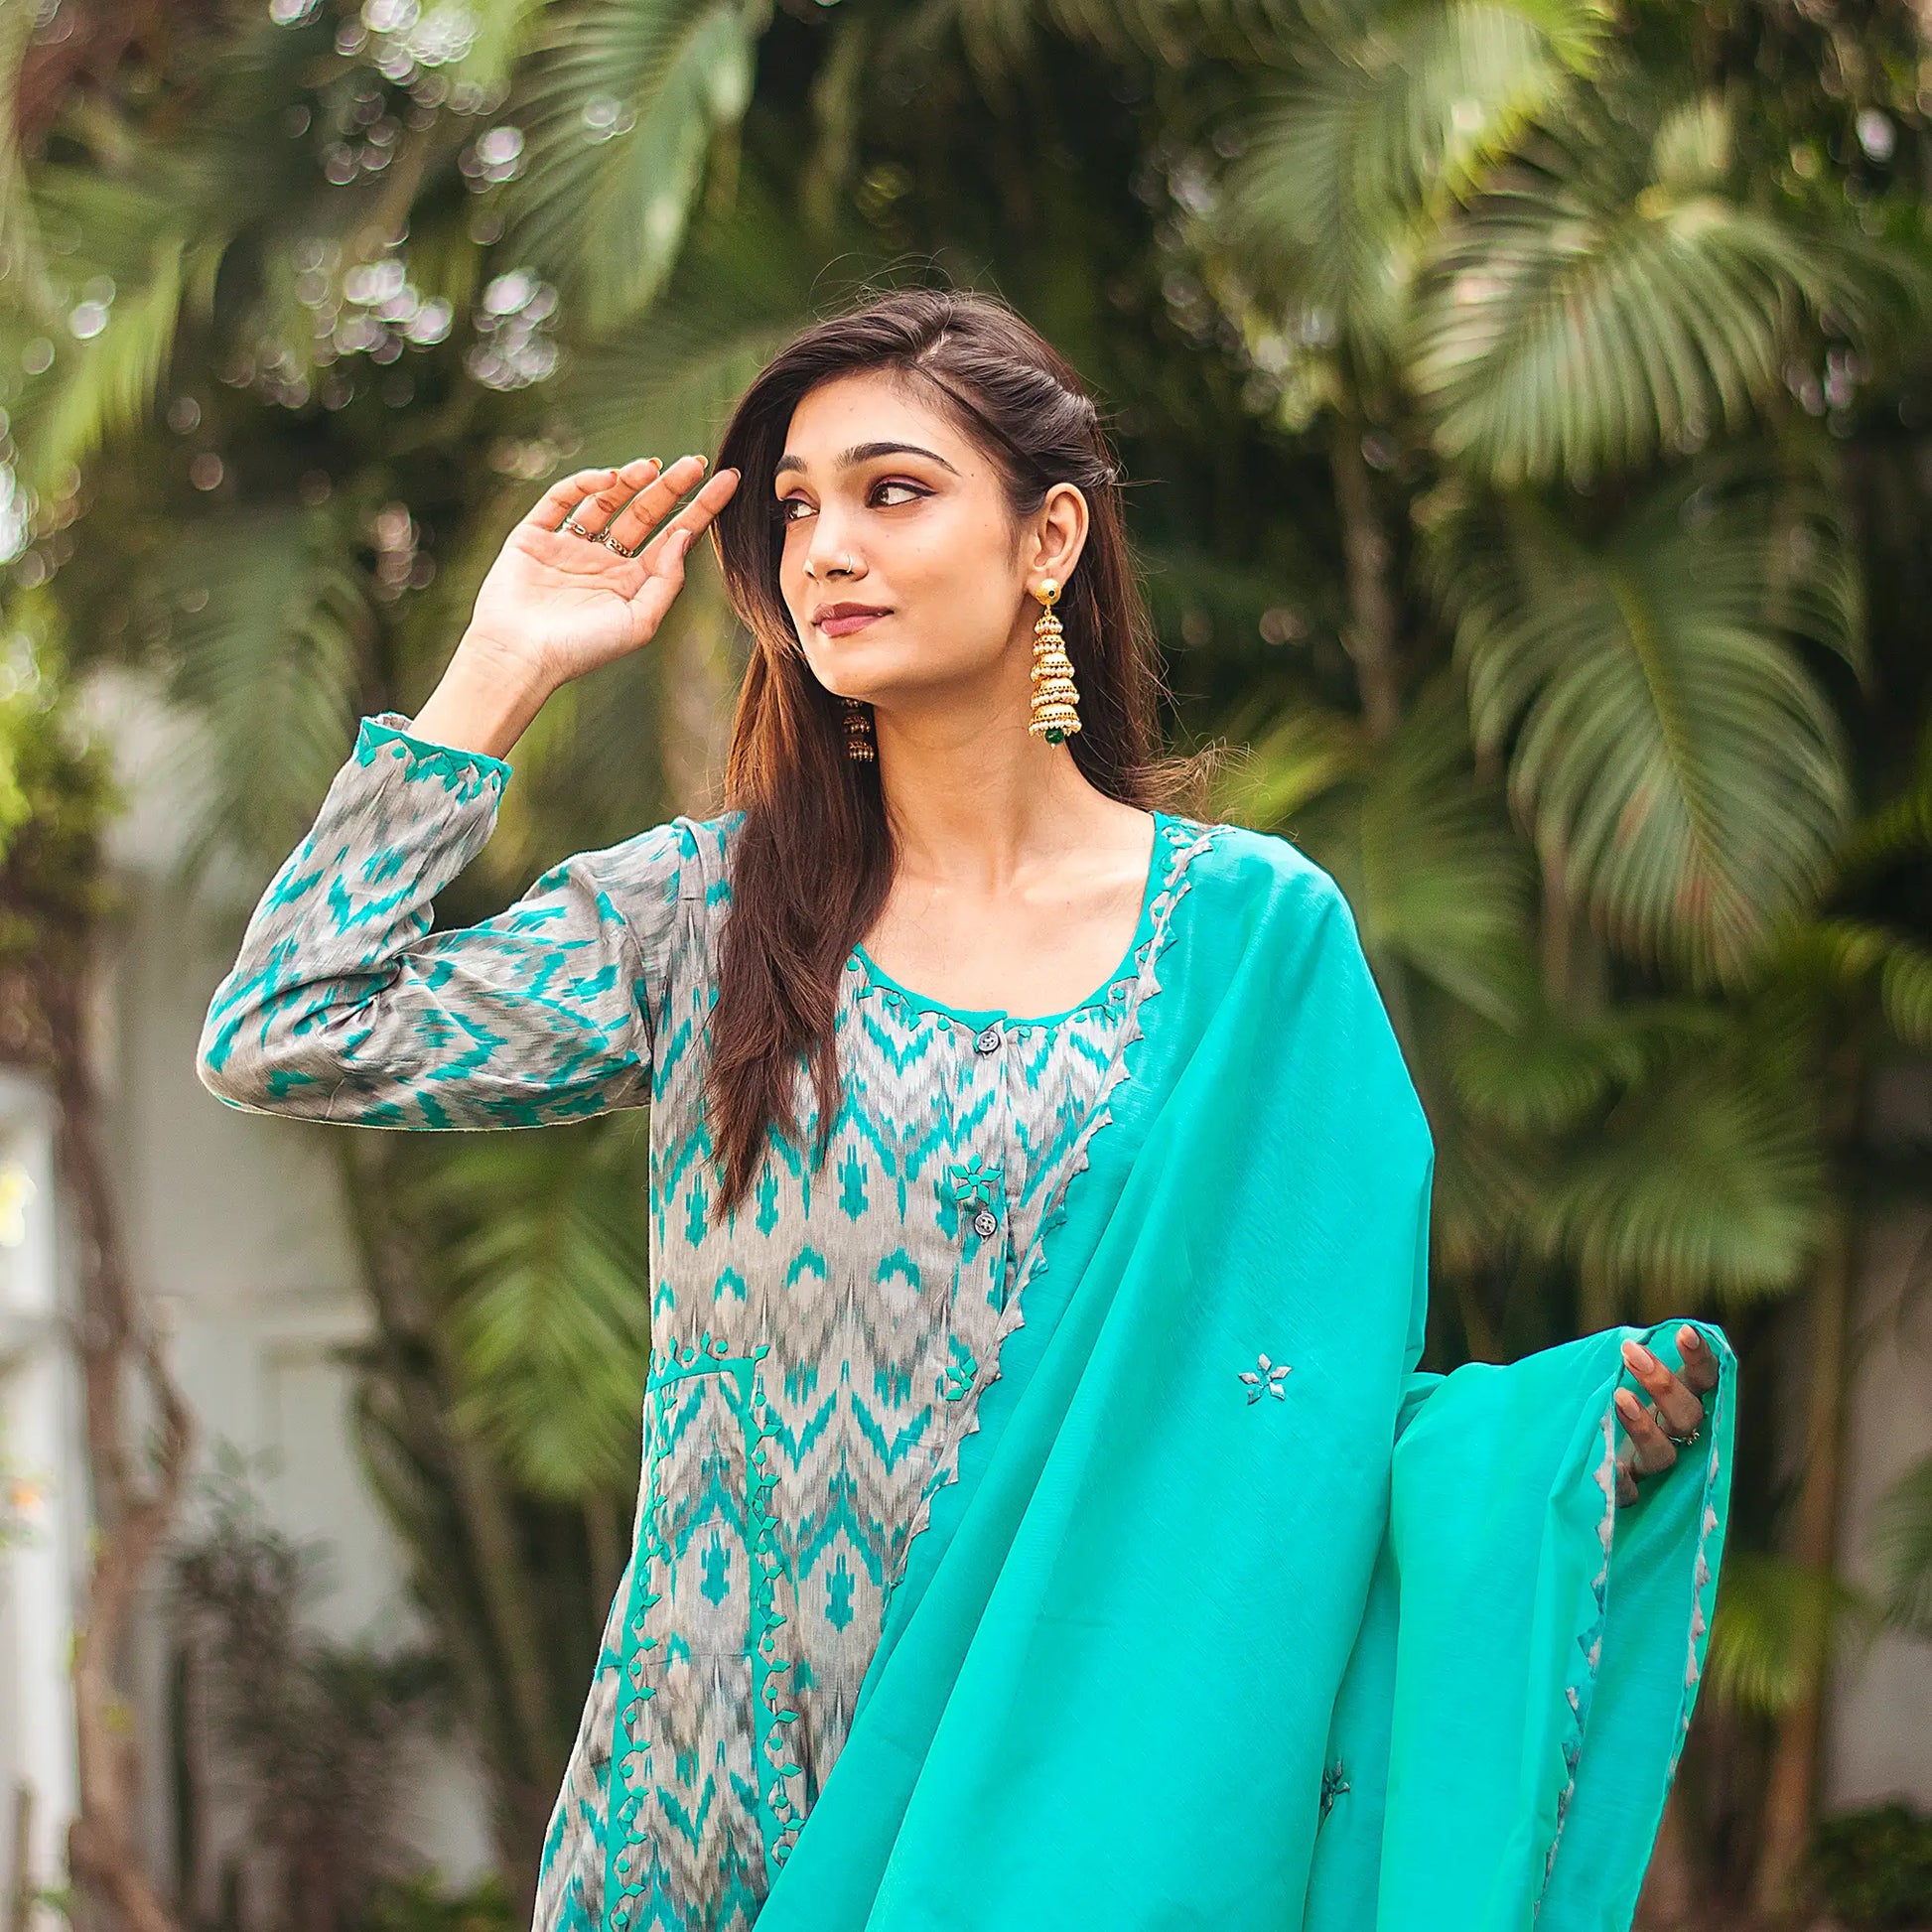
{"points": [[1044, 1518], [1235, 1615]]}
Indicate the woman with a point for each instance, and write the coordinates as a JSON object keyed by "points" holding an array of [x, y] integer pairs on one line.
{"points": [[1033, 1436]]}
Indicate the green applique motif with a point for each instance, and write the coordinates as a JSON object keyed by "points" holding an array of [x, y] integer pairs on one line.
{"points": [[973, 1184]]}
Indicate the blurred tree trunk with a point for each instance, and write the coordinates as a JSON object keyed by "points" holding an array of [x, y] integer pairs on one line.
{"points": [[53, 896], [133, 1507], [1668, 1901], [1791, 1790], [458, 1518], [1372, 610]]}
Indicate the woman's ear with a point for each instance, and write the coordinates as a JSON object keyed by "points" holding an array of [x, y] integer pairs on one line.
{"points": [[1060, 526]]}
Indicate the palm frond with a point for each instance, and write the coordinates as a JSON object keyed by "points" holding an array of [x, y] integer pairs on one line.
{"points": [[269, 627], [1708, 1182], [1901, 826], [1485, 1184], [665, 382], [1446, 883], [1771, 1624], [1675, 758], [1299, 756], [1853, 958], [1422, 852], [98, 388], [1324, 207], [1551, 1072], [1901, 1538], [621, 102], [501, 31], [553, 1317], [1583, 316]]}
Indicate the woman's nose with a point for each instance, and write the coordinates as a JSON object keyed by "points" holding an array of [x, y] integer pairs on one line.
{"points": [[829, 551]]}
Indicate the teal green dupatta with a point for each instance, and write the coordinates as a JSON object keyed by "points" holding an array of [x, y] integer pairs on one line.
{"points": [[1233, 1616]]}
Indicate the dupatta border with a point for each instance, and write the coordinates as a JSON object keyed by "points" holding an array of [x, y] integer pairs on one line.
{"points": [[1581, 1688], [1594, 1612], [1188, 838]]}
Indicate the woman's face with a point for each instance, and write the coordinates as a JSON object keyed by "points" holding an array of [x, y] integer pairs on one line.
{"points": [[888, 507]]}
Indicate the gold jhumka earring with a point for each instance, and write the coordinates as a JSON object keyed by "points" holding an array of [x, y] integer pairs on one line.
{"points": [[1054, 715], [860, 745]]}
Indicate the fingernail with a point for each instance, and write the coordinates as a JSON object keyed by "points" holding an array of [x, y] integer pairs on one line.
{"points": [[1638, 1353], [1626, 1401], [1689, 1338]]}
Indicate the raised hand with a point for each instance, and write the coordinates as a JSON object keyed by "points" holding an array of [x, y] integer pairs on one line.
{"points": [[1678, 1414], [581, 580]]}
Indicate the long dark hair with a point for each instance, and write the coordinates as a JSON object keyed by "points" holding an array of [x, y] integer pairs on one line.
{"points": [[812, 863]]}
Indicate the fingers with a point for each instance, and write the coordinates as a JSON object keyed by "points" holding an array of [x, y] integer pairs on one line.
{"points": [[1700, 1370], [654, 501], [1650, 1449], [696, 516], [665, 556], [1678, 1406], [590, 499]]}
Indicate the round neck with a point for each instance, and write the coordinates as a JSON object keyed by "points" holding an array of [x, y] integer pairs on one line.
{"points": [[1107, 993]]}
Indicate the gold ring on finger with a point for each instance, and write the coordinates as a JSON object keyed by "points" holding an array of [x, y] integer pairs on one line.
{"points": [[618, 547], [577, 529]]}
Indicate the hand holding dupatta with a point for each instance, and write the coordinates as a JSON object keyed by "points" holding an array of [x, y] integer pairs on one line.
{"points": [[1656, 1434]]}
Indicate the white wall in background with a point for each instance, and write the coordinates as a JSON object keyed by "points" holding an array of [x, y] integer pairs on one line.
{"points": [[44, 1507], [236, 1232], [1878, 1745]]}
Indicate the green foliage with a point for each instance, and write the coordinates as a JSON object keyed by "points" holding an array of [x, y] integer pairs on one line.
{"points": [[1902, 1542], [58, 793], [621, 100], [307, 1731], [1346, 161], [544, 1253], [1668, 745], [1775, 1622], [420, 1903], [1874, 1865], [1608, 298], [1608, 315]]}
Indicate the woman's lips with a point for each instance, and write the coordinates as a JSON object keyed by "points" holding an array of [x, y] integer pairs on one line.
{"points": [[843, 627]]}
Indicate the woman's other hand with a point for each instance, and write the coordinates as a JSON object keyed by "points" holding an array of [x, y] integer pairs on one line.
{"points": [[1678, 1408], [557, 603]]}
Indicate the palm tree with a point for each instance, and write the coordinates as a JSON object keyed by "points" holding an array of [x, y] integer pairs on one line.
{"points": [[1474, 349]]}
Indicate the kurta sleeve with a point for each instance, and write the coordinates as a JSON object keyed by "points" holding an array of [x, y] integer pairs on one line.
{"points": [[343, 1005]]}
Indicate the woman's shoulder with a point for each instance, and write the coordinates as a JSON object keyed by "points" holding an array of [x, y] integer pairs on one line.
{"points": [[648, 875], [1247, 863], [1217, 852]]}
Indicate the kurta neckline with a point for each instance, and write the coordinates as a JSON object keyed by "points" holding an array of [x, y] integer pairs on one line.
{"points": [[1110, 992]]}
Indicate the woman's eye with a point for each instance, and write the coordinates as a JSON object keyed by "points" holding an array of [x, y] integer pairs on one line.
{"points": [[792, 509]]}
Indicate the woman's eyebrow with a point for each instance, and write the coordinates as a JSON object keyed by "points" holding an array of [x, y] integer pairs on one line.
{"points": [[864, 453]]}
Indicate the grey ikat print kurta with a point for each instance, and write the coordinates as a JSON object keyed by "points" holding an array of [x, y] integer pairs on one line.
{"points": [[817, 1357]]}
